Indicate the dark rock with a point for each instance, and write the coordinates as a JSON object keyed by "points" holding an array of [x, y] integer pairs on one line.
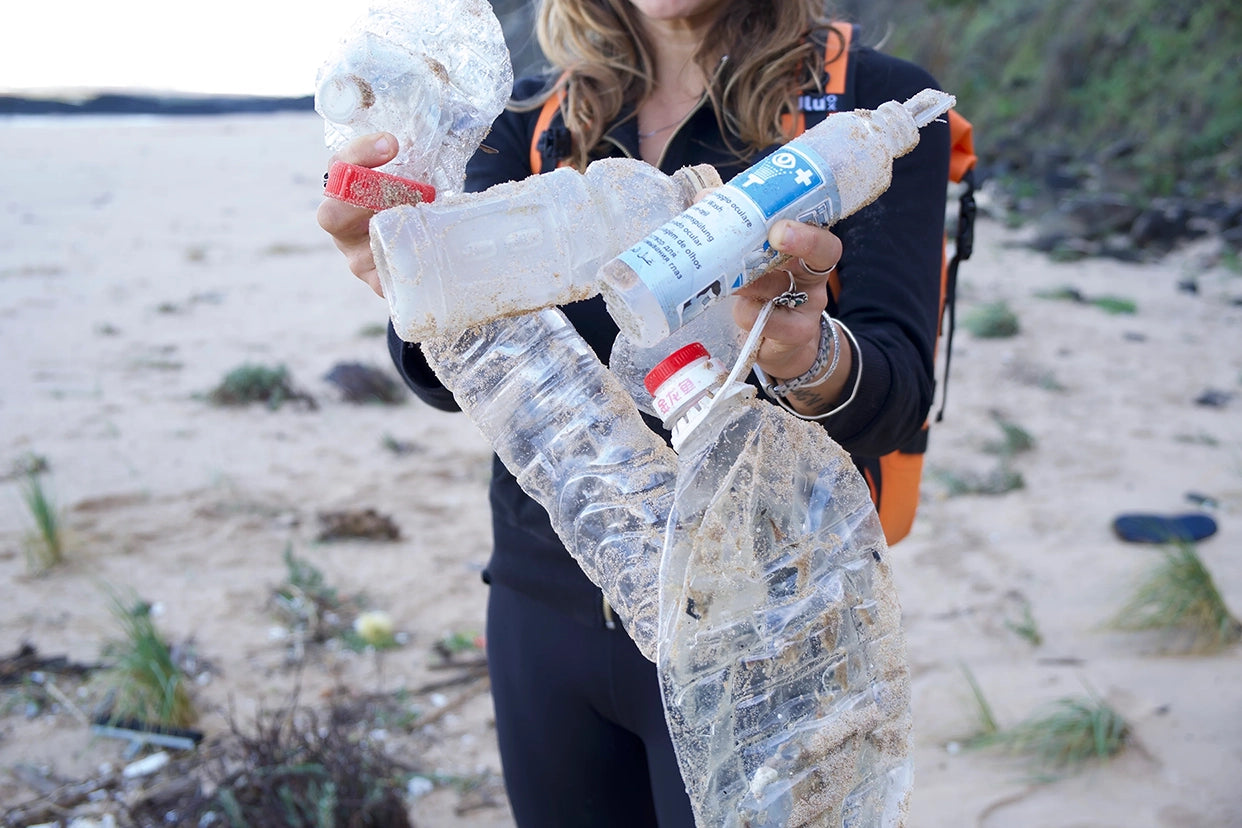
{"points": [[1214, 398], [360, 383]]}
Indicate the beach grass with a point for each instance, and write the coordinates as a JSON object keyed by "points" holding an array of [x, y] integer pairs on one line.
{"points": [[994, 320], [1059, 738], [988, 729], [146, 683], [253, 383], [1026, 626], [45, 544], [1178, 598], [1014, 438], [1066, 734]]}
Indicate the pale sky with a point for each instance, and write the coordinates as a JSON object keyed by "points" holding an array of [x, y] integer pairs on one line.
{"points": [[261, 47]]}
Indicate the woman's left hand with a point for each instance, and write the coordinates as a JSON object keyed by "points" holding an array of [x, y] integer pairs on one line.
{"points": [[791, 335]]}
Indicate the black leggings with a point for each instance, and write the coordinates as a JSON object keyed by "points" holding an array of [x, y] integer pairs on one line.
{"points": [[580, 722]]}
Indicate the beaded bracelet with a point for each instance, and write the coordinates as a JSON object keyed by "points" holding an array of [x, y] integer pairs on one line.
{"points": [[827, 334], [857, 371]]}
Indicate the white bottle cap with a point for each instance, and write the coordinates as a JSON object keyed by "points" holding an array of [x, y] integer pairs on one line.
{"points": [[682, 385]]}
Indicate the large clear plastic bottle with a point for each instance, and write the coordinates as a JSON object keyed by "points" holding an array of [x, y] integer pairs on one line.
{"points": [[719, 244], [435, 73], [781, 655], [467, 258], [569, 432]]}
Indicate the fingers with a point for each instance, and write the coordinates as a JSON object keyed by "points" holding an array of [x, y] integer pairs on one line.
{"points": [[791, 334], [817, 247], [369, 150], [348, 225]]}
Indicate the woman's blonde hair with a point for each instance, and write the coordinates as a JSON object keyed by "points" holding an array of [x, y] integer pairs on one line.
{"points": [[606, 64]]}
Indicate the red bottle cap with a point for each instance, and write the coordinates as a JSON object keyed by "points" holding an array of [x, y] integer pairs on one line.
{"points": [[375, 190], [673, 363]]}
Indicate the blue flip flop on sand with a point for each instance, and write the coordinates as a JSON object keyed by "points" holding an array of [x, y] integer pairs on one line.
{"points": [[1145, 528]]}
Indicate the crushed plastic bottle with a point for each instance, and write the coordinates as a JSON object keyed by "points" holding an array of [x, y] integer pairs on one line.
{"points": [[434, 73], [719, 244], [572, 437], [781, 655], [519, 246]]}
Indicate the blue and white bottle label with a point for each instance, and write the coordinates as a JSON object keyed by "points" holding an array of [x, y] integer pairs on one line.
{"points": [[720, 244]]}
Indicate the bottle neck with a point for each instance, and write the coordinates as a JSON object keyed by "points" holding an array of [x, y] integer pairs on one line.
{"points": [[687, 387]]}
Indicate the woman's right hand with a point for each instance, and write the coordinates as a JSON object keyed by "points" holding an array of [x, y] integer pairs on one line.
{"points": [[348, 225]]}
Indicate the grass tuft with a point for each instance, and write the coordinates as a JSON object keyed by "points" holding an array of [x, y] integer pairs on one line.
{"points": [[145, 680], [988, 729], [1067, 734], [1061, 737], [992, 321], [258, 383], [1026, 627], [45, 544], [1014, 438], [1179, 598]]}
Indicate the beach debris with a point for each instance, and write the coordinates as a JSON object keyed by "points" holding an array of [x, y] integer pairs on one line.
{"points": [[365, 523], [360, 383], [313, 611], [146, 766], [1154, 528], [26, 663], [140, 734]]}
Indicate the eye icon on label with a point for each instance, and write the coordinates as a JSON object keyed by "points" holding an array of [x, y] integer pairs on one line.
{"points": [[784, 160]]}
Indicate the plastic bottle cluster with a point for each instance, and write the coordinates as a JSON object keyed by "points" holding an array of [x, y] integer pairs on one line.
{"points": [[748, 563]]}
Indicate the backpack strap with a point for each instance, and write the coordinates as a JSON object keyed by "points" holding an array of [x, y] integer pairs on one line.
{"points": [[962, 160], [837, 94], [550, 142]]}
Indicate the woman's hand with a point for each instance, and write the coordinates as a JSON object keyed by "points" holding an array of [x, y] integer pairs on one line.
{"points": [[349, 225], [791, 336]]}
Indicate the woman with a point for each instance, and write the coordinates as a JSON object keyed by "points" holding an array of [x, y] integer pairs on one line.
{"points": [[579, 716]]}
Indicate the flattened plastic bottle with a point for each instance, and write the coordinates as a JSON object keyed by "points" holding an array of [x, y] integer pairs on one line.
{"points": [[562, 423], [781, 655]]}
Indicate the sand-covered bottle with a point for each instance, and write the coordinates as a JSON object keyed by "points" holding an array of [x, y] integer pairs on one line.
{"points": [[434, 73], [781, 655], [519, 246], [572, 437]]}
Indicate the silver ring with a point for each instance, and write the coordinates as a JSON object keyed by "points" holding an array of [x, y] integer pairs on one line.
{"points": [[793, 297], [813, 271]]}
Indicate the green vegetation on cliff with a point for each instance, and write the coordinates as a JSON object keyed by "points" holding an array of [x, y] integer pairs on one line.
{"points": [[1138, 97]]}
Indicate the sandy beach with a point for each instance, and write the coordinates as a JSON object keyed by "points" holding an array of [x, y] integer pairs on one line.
{"points": [[143, 258]]}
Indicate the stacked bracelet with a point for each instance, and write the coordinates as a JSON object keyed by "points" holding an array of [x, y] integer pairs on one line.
{"points": [[829, 349]]}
